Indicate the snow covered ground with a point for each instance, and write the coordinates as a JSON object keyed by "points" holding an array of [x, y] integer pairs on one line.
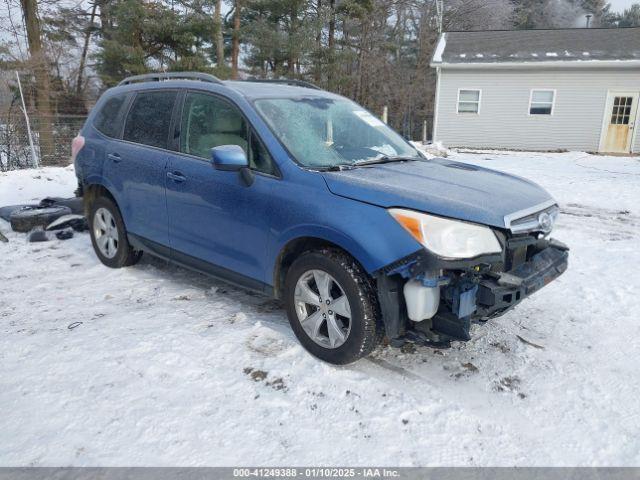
{"points": [[171, 368]]}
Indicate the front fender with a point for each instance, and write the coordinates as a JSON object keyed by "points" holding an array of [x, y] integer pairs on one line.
{"points": [[366, 232], [327, 234]]}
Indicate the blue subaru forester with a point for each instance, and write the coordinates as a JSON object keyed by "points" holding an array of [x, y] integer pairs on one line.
{"points": [[301, 194]]}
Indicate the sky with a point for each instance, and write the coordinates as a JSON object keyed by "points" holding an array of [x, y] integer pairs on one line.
{"points": [[620, 5]]}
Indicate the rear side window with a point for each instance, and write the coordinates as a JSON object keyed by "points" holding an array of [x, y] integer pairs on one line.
{"points": [[149, 118], [106, 120]]}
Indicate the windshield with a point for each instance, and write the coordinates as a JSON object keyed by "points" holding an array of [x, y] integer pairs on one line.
{"points": [[324, 132]]}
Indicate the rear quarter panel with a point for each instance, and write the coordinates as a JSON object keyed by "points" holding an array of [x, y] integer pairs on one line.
{"points": [[89, 162]]}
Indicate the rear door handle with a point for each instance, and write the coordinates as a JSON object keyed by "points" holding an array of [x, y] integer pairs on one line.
{"points": [[115, 157], [176, 177]]}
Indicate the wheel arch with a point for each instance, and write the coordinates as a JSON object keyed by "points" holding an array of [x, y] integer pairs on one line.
{"points": [[296, 246], [93, 190]]}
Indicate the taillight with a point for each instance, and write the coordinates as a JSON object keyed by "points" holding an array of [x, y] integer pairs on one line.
{"points": [[76, 146]]}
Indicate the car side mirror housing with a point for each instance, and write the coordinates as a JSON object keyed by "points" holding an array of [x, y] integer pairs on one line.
{"points": [[231, 158]]}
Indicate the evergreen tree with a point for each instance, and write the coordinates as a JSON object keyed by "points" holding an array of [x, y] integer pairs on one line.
{"points": [[628, 18], [597, 8], [529, 14], [281, 35], [142, 36]]}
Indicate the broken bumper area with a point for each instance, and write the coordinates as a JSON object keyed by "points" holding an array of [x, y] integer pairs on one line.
{"points": [[496, 293], [499, 293], [476, 292]]}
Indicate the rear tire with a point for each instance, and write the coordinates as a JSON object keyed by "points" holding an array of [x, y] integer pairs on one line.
{"points": [[335, 329], [109, 235]]}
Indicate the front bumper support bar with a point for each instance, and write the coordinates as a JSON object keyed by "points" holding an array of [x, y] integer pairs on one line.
{"points": [[497, 295], [475, 292]]}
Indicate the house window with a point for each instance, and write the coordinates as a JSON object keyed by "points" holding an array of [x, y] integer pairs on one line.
{"points": [[469, 101], [541, 102], [621, 110]]}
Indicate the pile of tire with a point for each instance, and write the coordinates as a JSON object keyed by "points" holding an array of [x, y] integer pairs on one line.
{"points": [[27, 218]]}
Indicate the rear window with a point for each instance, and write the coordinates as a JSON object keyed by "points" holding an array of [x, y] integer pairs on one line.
{"points": [[149, 118], [106, 118]]}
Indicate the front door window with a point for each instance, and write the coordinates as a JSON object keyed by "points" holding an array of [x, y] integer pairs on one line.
{"points": [[208, 122]]}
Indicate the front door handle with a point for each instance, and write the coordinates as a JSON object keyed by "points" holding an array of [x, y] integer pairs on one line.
{"points": [[115, 157], [176, 177]]}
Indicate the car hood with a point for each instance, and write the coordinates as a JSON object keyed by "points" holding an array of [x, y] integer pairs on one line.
{"points": [[441, 187]]}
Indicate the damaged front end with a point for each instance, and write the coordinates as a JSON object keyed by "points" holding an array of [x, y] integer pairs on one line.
{"points": [[431, 300]]}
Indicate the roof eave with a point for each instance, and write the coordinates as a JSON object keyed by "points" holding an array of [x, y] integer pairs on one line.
{"points": [[544, 64]]}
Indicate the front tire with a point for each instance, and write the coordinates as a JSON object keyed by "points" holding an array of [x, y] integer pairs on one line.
{"points": [[109, 236], [331, 306]]}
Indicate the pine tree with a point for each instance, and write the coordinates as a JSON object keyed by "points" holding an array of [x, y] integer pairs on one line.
{"points": [[597, 8], [283, 36], [628, 18], [146, 35], [528, 14]]}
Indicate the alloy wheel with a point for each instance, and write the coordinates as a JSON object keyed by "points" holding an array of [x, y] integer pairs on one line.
{"points": [[322, 308], [105, 232]]}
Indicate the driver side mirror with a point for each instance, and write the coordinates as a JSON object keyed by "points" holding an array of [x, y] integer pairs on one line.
{"points": [[229, 158]]}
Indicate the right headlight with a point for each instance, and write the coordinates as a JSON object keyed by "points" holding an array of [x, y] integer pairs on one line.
{"points": [[448, 238]]}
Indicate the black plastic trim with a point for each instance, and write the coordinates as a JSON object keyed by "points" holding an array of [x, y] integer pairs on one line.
{"points": [[392, 305], [423, 260], [198, 265]]}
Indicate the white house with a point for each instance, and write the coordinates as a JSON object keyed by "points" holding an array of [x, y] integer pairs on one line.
{"points": [[575, 89]]}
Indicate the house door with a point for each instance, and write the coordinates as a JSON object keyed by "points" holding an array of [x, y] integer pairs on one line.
{"points": [[619, 121]]}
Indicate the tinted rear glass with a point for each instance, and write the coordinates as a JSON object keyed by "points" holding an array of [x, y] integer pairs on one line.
{"points": [[107, 118], [149, 118]]}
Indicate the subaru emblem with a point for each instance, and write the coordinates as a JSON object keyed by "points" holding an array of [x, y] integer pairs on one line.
{"points": [[545, 221]]}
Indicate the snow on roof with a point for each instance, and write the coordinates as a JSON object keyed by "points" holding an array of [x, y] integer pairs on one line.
{"points": [[506, 46], [442, 43]]}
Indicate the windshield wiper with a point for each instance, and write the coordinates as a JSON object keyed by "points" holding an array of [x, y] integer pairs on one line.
{"points": [[376, 161], [336, 168], [386, 159]]}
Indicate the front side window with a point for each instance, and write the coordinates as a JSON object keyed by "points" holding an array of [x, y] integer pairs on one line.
{"points": [[106, 120], [324, 132], [541, 102], [259, 157], [469, 101], [149, 118], [209, 121]]}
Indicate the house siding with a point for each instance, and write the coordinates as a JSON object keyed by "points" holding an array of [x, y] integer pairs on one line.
{"points": [[504, 120]]}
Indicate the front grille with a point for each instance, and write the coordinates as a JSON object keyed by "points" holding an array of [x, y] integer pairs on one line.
{"points": [[530, 223]]}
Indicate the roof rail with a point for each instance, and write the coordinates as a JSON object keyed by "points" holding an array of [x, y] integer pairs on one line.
{"points": [[160, 76], [286, 81]]}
